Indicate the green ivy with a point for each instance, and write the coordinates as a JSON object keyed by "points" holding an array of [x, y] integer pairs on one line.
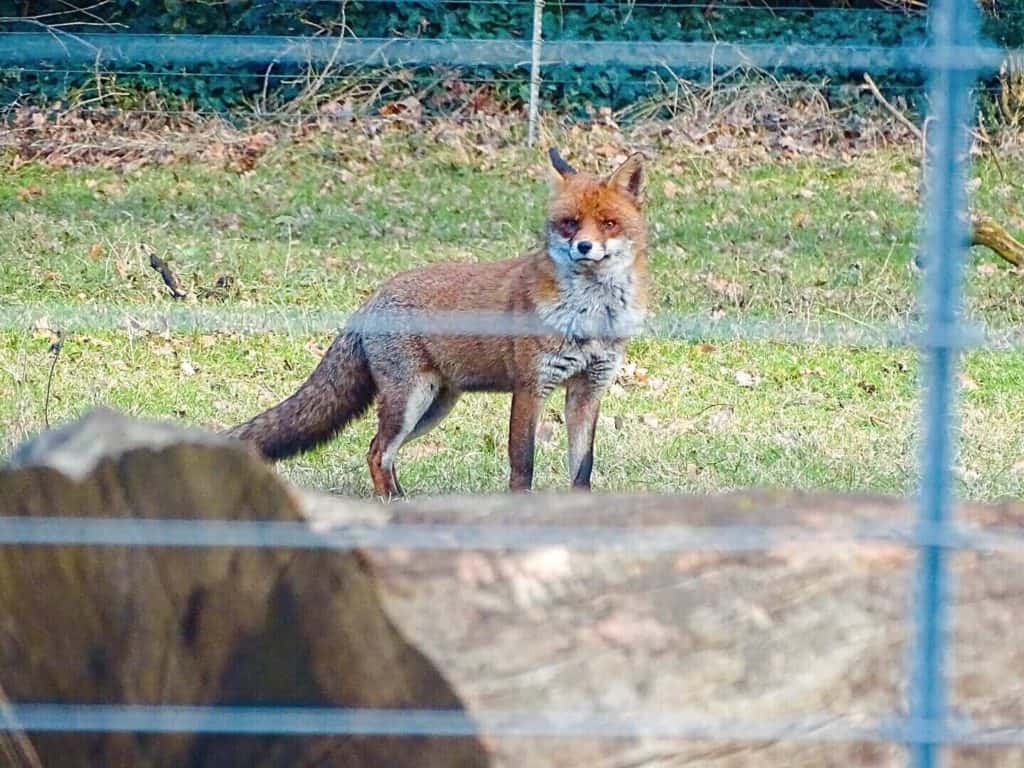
{"points": [[566, 86]]}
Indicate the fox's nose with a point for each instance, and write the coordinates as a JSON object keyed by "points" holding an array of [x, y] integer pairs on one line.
{"points": [[584, 247]]}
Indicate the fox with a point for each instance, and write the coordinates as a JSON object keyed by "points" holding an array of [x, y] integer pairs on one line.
{"points": [[561, 315]]}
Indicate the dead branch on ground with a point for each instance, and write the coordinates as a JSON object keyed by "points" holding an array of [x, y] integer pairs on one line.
{"points": [[985, 230]]}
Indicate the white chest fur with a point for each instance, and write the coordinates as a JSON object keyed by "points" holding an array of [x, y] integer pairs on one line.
{"points": [[595, 312], [595, 303]]}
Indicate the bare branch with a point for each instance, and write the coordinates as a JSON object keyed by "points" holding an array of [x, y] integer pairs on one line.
{"points": [[891, 108], [987, 232]]}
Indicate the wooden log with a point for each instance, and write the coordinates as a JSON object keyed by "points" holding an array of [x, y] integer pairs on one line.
{"points": [[152, 625]]}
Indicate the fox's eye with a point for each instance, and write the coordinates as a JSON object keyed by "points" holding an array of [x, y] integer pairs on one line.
{"points": [[609, 224], [568, 227]]}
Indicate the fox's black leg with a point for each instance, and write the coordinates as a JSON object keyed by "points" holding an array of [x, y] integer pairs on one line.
{"points": [[582, 403], [522, 430]]}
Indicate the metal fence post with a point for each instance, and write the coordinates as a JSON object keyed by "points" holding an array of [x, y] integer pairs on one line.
{"points": [[535, 48], [954, 23]]}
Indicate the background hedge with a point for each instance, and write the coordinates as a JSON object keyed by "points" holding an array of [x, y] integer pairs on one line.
{"points": [[572, 88]]}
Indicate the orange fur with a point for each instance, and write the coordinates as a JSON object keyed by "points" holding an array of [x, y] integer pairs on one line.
{"points": [[587, 287]]}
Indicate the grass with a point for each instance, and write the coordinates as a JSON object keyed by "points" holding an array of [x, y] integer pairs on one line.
{"points": [[319, 225]]}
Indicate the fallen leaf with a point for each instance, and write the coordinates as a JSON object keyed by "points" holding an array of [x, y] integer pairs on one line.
{"points": [[95, 251], [26, 193], [967, 383], [229, 221], [745, 379], [721, 420], [187, 368], [650, 420], [731, 290], [670, 189]]}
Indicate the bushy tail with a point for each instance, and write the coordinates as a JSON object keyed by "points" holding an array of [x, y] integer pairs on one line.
{"points": [[339, 389]]}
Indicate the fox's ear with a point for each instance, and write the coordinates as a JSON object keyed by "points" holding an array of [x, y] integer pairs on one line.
{"points": [[629, 177], [562, 169]]}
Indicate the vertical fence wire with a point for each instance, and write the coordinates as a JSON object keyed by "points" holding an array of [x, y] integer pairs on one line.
{"points": [[953, 24], [535, 49]]}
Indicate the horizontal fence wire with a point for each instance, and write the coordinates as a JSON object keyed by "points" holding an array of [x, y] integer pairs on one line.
{"points": [[623, 6], [665, 77], [29, 48], [626, 5], [645, 540], [665, 326], [322, 721]]}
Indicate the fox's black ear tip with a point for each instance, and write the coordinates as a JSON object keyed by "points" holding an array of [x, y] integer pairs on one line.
{"points": [[559, 164]]}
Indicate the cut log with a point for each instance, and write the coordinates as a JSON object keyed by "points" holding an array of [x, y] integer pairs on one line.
{"points": [[148, 625], [733, 642]]}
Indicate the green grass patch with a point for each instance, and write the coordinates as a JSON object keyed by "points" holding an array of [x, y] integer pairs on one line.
{"points": [[319, 226]]}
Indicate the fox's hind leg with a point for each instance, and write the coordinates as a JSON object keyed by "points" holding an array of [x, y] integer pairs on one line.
{"points": [[441, 407], [401, 409]]}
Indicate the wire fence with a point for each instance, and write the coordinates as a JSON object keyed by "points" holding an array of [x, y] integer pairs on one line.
{"points": [[952, 59]]}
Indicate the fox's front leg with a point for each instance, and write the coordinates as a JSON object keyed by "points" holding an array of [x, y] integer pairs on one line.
{"points": [[522, 429], [582, 403]]}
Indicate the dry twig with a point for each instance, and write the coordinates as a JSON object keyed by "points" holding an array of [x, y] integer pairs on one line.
{"points": [[170, 279], [55, 349], [989, 233], [891, 109]]}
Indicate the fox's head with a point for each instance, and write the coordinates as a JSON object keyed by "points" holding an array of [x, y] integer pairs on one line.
{"points": [[596, 223]]}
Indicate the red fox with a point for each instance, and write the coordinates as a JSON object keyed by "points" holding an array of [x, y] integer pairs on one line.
{"points": [[584, 292]]}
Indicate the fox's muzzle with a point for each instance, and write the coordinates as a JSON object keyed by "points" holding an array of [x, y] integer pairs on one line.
{"points": [[585, 250]]}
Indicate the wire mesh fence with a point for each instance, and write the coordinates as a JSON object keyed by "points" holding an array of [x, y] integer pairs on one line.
{"points": [[952, 59]]}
